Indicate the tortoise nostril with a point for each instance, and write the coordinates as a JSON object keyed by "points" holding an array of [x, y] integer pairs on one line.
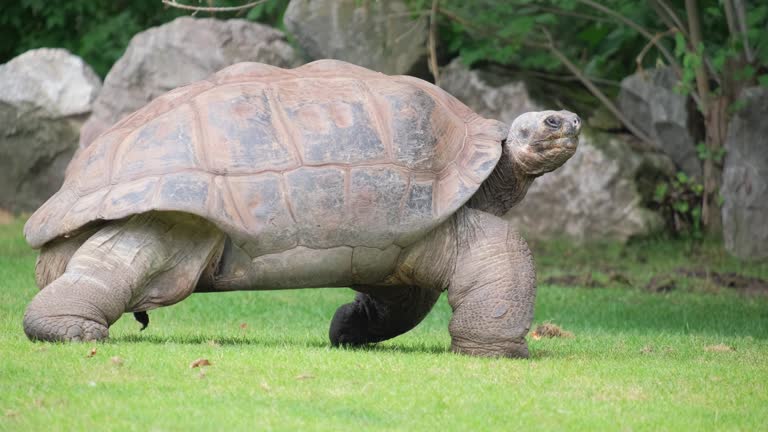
{"points": [[576, 123]]}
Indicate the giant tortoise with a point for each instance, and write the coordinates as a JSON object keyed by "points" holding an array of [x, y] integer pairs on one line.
{"points": [[326, 175]]}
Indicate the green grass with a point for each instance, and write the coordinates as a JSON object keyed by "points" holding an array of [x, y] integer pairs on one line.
{"points": [[638, 360]]}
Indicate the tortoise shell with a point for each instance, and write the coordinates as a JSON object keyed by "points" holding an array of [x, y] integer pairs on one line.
{"points": [[323, 155]]}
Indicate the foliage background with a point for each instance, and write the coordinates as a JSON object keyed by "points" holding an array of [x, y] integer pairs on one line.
{"points": [[98, 30], [509, 33], [572, 54]]}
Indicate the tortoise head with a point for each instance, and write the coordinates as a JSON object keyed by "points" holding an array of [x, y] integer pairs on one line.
{"points": [[539, 142]]}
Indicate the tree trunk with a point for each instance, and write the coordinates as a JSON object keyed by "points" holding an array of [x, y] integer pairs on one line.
{"points": [[714, 108], [716, 125]]}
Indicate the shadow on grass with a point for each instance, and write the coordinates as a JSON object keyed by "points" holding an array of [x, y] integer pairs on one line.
{"points": [[277, 343], [388, 348]]}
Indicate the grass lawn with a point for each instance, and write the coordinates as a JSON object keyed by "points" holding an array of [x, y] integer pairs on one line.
{"points": [[693, 358]]}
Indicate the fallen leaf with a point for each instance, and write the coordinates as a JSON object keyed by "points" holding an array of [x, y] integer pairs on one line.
{"points": [[535, 335], [265, 386], [91, 353], [646, 349], [199, 363], [243, 326], [719, 348], [304, 376], [117, 361]]}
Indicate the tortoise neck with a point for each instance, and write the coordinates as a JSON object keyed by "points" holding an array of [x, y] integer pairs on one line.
{"points": [[504, 188]]}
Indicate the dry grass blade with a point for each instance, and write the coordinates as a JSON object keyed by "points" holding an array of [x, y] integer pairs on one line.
{"points": [[199, 363]]}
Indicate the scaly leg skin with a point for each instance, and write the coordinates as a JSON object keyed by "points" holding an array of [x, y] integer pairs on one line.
{"points": [[380, 313], [492, 292], [136, 264], [488, 271], [54, 257]]}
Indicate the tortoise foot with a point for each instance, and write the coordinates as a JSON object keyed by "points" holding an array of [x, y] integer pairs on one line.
{"points": [[511, 349], [65, 328], [349, 326]]}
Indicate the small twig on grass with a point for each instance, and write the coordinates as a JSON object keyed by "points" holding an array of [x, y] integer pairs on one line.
{"points": [[173, 3]]}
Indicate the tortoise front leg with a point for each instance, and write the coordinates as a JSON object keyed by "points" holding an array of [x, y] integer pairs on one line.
{"points": [[380, 313], [492, 291], [488, 271], [140, 263]]}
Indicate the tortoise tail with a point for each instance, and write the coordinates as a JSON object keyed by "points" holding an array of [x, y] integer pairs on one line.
{"points": [[143, 319]]}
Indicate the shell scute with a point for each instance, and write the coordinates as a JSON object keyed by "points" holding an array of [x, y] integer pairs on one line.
{"points": [[326, 155], [338, 129], [163, 145]]}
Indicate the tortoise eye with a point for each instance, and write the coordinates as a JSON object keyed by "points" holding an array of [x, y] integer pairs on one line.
{"points": [[552, 122]]}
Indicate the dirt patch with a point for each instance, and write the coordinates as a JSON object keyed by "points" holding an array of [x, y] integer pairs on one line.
{"points": [[588, 280], [549, 330], [719, 348], [742, 284]]}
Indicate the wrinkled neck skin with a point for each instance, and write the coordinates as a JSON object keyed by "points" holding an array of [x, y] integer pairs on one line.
{"points": [[504, 188]]}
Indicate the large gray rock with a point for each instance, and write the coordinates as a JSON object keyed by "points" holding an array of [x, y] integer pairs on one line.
{"points": [[745, 178], [489, 94], [174, 54], [598, 194], [648, 99], [45, 95], [379, 35]]}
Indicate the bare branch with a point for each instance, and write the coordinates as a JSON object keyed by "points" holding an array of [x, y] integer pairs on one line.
{"points": [[741, 23], [621, 18], [668, 15], [702, 81], [644, 51], [568, 78], [416, 24], [652, 42], [673, 16], [174, 4], [432, 41], [563, 12], [729, 18], [454, 17], [596, 92], [572, 68]]}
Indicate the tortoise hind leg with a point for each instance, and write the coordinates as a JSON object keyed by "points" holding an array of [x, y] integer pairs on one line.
{"points": [[145, 261], [380, 313]]}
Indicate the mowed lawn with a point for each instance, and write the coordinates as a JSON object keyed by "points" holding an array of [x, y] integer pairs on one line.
{"points": [[693, 358]]}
